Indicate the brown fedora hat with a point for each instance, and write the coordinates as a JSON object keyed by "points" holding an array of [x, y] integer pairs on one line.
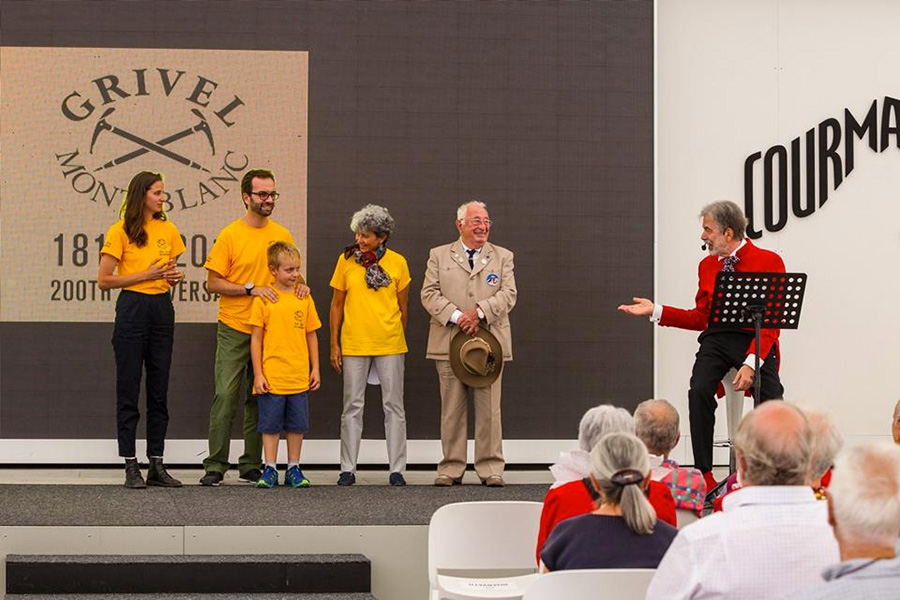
{"points": [[476, 360]]}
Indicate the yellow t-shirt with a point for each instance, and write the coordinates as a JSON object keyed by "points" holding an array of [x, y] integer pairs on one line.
{"points": [[285, 353], [372, 325], [163, 243], [239, 255]]}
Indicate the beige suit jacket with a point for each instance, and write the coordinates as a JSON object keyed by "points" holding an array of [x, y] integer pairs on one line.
{"points": [[450, 284]]}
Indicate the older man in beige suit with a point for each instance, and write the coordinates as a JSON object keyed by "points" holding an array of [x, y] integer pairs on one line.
{"points": [[469, 284]]}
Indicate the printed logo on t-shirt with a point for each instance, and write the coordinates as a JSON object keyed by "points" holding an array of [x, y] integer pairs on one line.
{"points": [[299, 320], [163, 247]]}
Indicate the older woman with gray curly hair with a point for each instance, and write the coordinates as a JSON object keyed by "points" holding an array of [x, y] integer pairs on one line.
{"points": [[622, 532], [368, 343]]}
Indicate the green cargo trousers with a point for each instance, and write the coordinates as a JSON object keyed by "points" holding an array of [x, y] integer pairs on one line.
{"points": [[232, 365]]}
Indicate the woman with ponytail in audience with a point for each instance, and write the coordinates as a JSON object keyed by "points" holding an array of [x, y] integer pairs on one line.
{"points": [[623, 532], [139, 257]]}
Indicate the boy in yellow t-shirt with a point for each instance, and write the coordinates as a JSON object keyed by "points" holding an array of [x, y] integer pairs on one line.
{"points": [[284, 350]]}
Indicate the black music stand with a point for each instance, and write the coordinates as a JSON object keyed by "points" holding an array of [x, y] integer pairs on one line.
{"points": [[761, 301]]}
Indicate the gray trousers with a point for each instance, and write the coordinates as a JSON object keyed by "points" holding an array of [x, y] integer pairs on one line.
{"points": [[390, 372]]}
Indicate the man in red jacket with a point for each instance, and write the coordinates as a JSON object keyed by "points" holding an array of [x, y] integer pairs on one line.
{"points": [[724, 225]]}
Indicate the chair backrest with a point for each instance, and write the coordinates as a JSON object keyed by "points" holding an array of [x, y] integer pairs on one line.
{"points": [[685, 517], [483, 536], [591, 584]]}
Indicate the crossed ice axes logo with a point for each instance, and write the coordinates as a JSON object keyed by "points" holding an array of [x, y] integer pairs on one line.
{"points": [[158, 146]]}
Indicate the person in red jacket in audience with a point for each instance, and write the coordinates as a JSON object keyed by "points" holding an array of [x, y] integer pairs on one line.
{"points": [[623, 531], [572, 494], [723, 234]]}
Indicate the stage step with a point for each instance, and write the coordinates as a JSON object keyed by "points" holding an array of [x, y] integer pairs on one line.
{"points": [[252, 575]]}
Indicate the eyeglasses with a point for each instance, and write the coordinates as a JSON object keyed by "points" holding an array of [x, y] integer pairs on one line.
{"points": [[478, 222], [266, 195]]}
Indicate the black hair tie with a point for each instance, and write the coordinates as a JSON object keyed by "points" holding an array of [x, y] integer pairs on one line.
{"points": [[627, 477]]}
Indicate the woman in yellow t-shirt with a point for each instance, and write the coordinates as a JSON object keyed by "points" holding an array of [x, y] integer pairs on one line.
{"points": [[368, 319], [139, 257]]}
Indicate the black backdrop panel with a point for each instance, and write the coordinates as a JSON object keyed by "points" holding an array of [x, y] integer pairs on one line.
{"points": [[543, 110]]}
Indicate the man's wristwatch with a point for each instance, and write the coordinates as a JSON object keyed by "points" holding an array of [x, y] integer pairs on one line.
{"points": [[248, 288]]}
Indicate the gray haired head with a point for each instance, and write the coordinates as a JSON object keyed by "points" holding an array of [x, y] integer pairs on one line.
{"points": [[656, 423], [600, 421], [461, 211], [374, 218], [826, 441], [616, 453], [865, 495], [728, 215], [773, 445]]}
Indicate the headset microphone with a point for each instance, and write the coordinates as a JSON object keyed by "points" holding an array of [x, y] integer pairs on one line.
{"points": [[703, 247]]}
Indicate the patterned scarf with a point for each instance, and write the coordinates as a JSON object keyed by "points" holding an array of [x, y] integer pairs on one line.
{"points": [[376, 277]]}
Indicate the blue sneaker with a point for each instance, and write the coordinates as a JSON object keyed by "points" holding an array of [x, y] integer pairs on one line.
{"points": [[295, 478], [268, 479], [346, 478]]}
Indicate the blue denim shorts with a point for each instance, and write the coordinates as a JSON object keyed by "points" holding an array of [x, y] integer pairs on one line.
{"points": [[279, 413]]}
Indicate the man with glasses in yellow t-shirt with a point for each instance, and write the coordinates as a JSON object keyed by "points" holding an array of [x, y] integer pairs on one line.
{"points": [[238, 271]]}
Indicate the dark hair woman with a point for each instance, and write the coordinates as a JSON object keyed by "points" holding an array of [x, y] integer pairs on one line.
{"points": [[139, 257]]}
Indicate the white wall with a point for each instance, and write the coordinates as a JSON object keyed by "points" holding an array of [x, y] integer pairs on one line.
{"points": [[734, 78]]}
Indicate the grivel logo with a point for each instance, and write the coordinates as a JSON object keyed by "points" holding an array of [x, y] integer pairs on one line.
{"points": [[825, 149], [198, 105]]}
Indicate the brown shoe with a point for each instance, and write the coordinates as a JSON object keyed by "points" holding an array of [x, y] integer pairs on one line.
{"points": [[493, 481], [447, 481]]}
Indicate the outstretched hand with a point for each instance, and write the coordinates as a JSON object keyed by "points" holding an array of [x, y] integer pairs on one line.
{"points": [[642, 307]]}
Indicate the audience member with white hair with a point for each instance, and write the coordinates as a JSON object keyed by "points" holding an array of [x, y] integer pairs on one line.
{"points": [[573, 494], [595, 423], [864, 509], [657, 424], [772, 537], [622, 532], [827, 442]]}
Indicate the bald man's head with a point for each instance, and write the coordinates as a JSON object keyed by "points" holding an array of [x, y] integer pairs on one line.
{"points": [[774, 446]]}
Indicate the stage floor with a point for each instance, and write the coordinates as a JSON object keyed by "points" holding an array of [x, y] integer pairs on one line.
{"points": [[41, 475], [96, 497]]}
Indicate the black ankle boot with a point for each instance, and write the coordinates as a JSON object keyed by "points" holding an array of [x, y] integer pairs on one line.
{"points": [[157, 474], [133, 479]]}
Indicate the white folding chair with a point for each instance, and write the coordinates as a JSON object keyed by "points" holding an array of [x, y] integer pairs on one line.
{"points": [[482, 549], [591, 584]]}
